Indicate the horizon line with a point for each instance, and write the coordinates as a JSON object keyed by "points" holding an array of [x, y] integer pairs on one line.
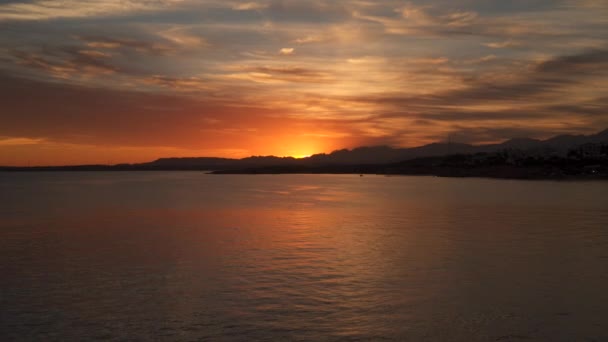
{"points": [[449, 141]]}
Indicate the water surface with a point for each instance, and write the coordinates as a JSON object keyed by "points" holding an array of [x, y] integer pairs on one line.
{"points": [[188, 256]]}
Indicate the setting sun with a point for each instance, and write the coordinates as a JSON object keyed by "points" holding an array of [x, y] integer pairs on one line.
{"points": [[303, 144], [301, 156]]}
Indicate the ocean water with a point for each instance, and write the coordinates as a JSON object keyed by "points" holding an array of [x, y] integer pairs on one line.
{"points": [[186, 256]]}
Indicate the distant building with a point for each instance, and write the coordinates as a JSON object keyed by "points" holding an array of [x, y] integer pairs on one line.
{"points": [[588, 151]]}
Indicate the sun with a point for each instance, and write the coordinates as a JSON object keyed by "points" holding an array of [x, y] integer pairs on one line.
{"points": [[301, 156], [300, 149]]}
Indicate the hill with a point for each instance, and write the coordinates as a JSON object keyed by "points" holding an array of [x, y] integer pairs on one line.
{"points": [[559, 146]]}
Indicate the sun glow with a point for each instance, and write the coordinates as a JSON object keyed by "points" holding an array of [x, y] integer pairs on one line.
{"points": [[302, 146], [302, 156]]}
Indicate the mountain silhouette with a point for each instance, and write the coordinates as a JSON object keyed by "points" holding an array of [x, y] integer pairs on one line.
{"points": [[383, 154], [367, 155], [558, 145]]}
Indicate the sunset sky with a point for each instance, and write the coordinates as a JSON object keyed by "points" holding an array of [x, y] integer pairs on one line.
{"points": [[88, 81]]}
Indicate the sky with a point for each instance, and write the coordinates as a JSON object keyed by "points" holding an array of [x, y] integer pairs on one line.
{"points": [[89, 81]]}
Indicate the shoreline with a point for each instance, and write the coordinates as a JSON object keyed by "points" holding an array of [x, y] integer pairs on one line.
{"points": [[460, 173]]}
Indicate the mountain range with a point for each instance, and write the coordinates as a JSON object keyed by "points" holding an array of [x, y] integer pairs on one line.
{"points": [[368, 155], [558, 145]]}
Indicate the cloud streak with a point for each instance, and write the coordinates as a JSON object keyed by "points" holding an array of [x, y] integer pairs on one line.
{"points": [[51, 9]]}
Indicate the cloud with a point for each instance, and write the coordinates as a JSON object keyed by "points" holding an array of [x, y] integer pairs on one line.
{"points": [[308, 39], [590, 62], [554, 96], [270, 74], [50, 9], [417, 15], [369, 60], [435, 20], [12, 141], [88, 57], [249, 6], [503, 45], [94, 53], [459, 19], [591, 4], [286, 51], [189, 84], [484, 59], [425, 20], [541, 79], [71, 62], [140, 46], [181, 37]]}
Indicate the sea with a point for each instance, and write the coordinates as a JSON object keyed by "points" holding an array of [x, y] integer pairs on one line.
{"points": [[191, 256]]}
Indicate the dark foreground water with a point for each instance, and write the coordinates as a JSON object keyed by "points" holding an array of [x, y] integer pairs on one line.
{"points": [[188, 256]]}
